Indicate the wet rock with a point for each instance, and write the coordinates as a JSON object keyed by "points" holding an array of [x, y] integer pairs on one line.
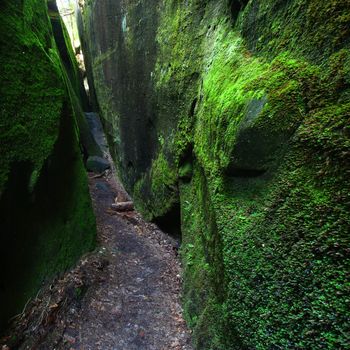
{"points": [[97, 164]]}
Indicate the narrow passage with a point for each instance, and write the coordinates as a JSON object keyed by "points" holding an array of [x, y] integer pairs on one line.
{"points": [[123, 296], [136, 304]]}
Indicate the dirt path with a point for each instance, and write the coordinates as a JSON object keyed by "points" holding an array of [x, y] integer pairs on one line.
{"points": [[123, 296], [137, 306]]}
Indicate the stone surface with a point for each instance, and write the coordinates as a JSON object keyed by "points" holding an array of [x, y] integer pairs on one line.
{"points": [[254, 96], [97, 164], [97, 131], [45, 209]]}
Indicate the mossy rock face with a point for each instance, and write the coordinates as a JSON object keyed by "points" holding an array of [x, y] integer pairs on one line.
{"points": [[250, 134], [186, 171], [121, 72], [74, 80], [46, 216], [255, 147]]}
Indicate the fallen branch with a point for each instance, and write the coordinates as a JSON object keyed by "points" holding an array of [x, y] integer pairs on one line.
{"points": [[98, 175], [123, 206], [22, 314]]}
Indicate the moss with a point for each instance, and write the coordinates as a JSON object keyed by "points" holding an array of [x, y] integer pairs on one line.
{"points": [[275, 231], [201, 253], [232, 81], [186, 171], [250, 103], [46, 214], [73, 78], [163, 184], [262, 307], [309, 28], [17, 74]]}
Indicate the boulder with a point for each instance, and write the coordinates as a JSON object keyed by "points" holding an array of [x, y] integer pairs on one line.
{"points": [[97, 164]]}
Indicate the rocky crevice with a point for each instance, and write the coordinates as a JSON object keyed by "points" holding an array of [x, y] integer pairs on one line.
{"points": [[227, 121]]}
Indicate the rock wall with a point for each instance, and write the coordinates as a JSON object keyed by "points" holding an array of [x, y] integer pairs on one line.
{"points": [[238, 112], [46, 217]]}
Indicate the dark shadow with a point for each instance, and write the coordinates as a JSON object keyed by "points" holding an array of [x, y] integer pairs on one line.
{"points": [[245, 173], [42, 231], [186, 164], [171, 222], [187, 155], [193, 107], [236, 6]]}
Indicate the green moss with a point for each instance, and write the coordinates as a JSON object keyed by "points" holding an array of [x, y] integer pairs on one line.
{"points": [[186, 171], [232, 81], [162, 174], [309, 28], [251, 104], [43, 101], [225, 95], [163, 193], [288, 253], [201, 253], [269, 238], [46, 214]]}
